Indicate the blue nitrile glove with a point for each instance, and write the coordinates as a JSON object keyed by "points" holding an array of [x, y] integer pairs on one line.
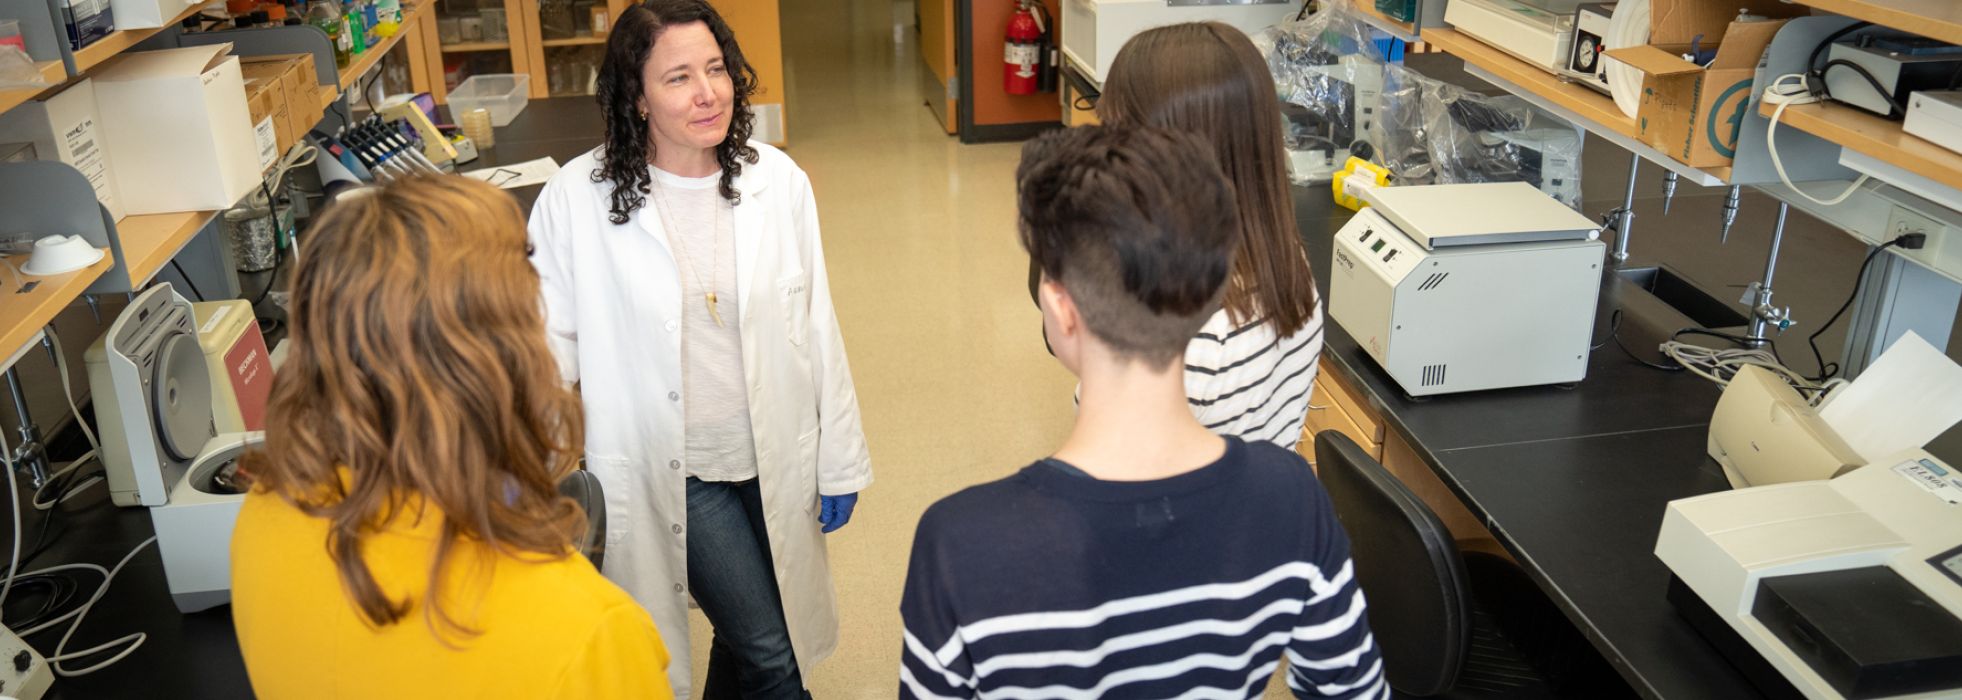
{"points": [[835, 511]]}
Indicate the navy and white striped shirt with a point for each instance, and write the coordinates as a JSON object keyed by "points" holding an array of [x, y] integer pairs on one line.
{"points": [[1249, 382], [1052, 584]]}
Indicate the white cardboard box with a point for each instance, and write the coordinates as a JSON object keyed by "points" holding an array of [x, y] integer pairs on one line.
{"points": [[179, 119], [67, 127], [145, 14]]}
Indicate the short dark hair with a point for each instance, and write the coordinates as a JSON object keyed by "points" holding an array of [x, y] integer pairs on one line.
{"points": [[1138, 224]]}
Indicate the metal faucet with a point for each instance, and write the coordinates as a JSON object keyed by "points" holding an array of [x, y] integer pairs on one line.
{"points": [[1624, 218], [1758, 295]]}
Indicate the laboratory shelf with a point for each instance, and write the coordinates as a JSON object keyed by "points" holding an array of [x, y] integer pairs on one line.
{"points": [[477, 46], [31, 303], [1936, 19], [411, 14], [51, 72], [117, 42], [1874, 136], [149, 241], [1586, 108], [576, 41]]}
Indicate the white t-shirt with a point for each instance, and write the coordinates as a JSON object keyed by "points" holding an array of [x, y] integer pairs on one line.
{"points": [[701, 234]]}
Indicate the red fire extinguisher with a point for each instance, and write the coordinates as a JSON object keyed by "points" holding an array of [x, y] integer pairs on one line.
{"points": [[1024, 52]]}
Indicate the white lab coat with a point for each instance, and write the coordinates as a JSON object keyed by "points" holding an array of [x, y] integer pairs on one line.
{"points": [[613, 309]]}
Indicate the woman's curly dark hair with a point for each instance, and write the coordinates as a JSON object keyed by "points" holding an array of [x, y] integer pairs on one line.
{"points": [[628, 149]]}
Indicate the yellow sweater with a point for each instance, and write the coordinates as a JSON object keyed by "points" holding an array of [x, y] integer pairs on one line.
{"points": [[548, 629]]}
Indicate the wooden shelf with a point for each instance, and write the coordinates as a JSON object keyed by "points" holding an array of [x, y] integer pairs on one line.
{"points": [[117, 42], [576, 41], [1595, 106], [22, 314], [150, 241], [1588, 109], [1875, 136], [411, 14], [1405, 31], [476, 46], [51, 72], [1936, 19]]}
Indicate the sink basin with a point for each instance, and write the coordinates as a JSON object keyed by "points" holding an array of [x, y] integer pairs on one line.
{"points": [[1673, 289]]}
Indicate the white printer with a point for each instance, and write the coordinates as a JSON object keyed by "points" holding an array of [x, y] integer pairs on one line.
{"points": [[1467, 287], [1847, 588]]}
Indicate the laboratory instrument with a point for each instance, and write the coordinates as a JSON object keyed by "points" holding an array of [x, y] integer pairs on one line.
{"points": [[1765, 432], [1093, 30], [160, 444], [1540, 33], [1585, 64], [24, 674], [1878, 72], [1466, 287], [1845, 588], [1936, 116]]}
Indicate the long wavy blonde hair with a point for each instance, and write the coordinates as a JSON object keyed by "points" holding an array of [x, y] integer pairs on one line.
{"points": [[418, 366]]}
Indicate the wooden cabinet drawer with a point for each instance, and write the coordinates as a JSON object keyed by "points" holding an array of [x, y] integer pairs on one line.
{"points": [[1324, 414], [1331, 388]]}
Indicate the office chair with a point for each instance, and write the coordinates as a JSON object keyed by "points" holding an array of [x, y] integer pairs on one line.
{"points": [[1432, 607], [584, 488]]}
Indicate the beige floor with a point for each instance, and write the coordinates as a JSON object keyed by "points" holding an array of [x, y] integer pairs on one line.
{"points": [[931, 289]]}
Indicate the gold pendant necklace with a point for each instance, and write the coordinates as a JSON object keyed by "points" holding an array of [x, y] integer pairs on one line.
{"points": [[715, 250]]}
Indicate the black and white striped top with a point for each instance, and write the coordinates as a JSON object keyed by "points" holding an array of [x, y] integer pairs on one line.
{"points": [[1052, 584], [1248, 382]]}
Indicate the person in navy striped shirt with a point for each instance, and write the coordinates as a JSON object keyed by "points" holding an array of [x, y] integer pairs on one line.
{"points": [[1148, 557]]}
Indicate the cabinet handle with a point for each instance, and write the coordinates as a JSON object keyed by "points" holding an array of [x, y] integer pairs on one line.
{"points": [[1313, 407]]}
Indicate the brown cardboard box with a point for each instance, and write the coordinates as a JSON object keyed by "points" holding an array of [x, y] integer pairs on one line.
{"points": [[267, 100], [1694, 113], [295, 73]]}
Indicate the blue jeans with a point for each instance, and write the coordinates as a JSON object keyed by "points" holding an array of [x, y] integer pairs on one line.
{"points": [[733, 580]]}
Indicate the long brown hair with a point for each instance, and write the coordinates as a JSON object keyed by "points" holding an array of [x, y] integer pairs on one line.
{"points": [[1207, 78], [419, 366]]}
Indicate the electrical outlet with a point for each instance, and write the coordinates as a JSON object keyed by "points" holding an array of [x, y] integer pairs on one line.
{"points": [[1902, 221]]}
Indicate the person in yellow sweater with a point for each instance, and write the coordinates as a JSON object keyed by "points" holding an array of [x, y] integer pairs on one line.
{"points": [[405, 536]]}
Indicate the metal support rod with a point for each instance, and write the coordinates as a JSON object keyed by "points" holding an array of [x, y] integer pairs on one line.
{"points": [[1625, 224], [1763, 314], [30, 455], [1730, 213]]}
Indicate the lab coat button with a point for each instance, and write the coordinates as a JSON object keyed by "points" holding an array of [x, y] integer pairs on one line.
{"points": [[672, 325], [674, 464], [677, 529], [677, 588], [674, 396]]}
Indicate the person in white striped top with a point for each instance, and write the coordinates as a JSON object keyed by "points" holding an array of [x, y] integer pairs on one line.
{"points": [[1149, 557], [1250, 371]]}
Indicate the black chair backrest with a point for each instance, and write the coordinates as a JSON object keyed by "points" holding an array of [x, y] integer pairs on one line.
{"points": [[584, 488], [1407, 564]]}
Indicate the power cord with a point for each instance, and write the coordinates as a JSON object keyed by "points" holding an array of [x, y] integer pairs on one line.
{"points": [[187, 279], [1828, 370], [128, 643], [1782, 94]]}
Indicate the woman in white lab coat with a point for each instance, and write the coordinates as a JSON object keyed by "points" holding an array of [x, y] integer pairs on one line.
{"points": [[685, 292]]}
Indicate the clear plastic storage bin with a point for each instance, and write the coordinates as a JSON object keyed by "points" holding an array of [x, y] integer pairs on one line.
{"points": [[503, 94]]}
